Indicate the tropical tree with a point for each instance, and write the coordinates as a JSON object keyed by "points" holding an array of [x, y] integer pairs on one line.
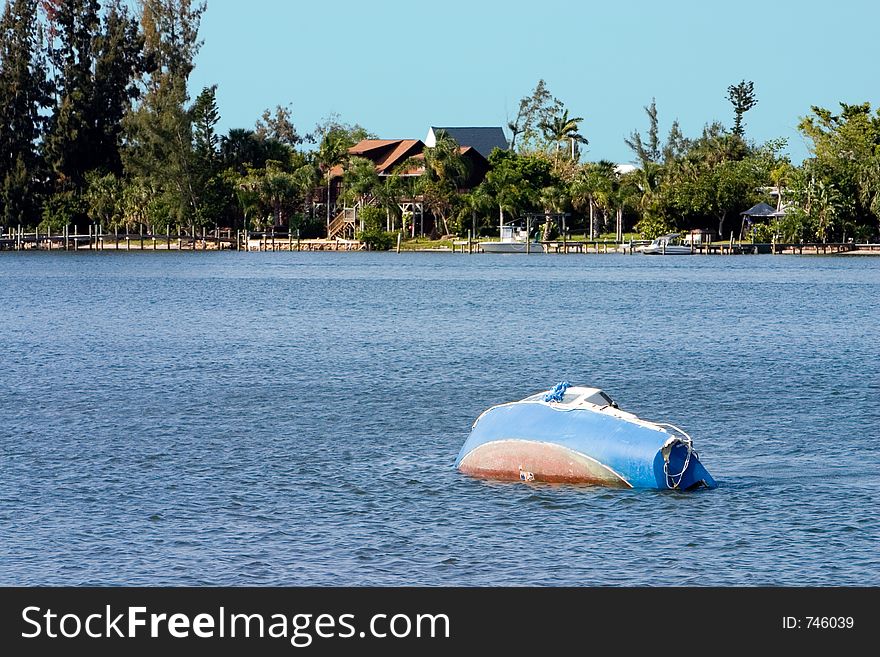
{"points": [[538, 107], [276, 190], [515, 182], [104, 199], [647, 149], [476, 204], [279, 126], [554, 199], [742, 97], [333, 152], [306, 177], [360, 178], [591, 180], [240, 149], [844, 149], [140, 204], [561, 128], [445, 173]]}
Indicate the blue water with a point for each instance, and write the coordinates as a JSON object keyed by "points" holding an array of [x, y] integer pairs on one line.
{"points": [[293, 418]]}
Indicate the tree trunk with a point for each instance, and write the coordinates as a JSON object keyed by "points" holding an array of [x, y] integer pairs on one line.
{"points": [[592, 205], [721, 219], [328, 204]]}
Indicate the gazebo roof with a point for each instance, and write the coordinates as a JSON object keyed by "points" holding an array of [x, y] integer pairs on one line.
{"points": [[760, 210]]}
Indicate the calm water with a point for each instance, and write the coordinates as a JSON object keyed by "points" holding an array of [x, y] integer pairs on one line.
{"points": [[292, 419]]}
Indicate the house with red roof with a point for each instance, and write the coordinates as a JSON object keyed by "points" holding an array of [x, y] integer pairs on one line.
{"points": [[389, 154]]}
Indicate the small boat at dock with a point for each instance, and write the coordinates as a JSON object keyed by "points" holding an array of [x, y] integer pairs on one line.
{"points": [[573, 434], [671, 244], [512, 240]]}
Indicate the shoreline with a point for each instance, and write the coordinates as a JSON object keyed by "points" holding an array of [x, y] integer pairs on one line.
{"points": [[227, 240]]}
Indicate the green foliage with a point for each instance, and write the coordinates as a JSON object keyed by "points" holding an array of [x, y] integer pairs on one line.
{"points": [[445, 173], [24, 94], [742, 97], [559, 128], [515, 182], [205, 116], [377, 239], [278, 127], [651, 227], [159, 132], [372, 217], [535, 109], [763, 233], [360, 178], [97, 55], [273, 191], [241, 149], [647, 149], [62, 209], [104, 198], [843, 176], [96, 123]]}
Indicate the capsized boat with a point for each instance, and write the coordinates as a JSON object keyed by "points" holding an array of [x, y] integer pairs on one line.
{"points": [[573, 434]]}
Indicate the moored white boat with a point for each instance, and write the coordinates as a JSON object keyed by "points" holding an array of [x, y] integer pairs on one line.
{"points": [[579, 435], [671, 244], [512, 240]]}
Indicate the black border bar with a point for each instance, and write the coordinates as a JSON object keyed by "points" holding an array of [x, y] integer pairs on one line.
{"points": [[634, 620]]}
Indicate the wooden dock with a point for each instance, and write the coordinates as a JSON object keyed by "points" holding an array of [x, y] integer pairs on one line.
{"points": [[202, 239], [96, 239], [276, 241]]}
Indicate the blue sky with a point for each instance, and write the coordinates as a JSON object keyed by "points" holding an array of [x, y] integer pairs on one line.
{"points": [[397, 67]]}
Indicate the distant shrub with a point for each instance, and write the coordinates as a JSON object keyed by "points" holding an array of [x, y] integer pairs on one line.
{"points": [[763, 233], [62, 209], [651, 227], [373, 218], [377, 240]]}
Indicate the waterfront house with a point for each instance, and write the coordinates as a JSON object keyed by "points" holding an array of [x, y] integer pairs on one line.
{"points": [[483, 140], [387, 155]]}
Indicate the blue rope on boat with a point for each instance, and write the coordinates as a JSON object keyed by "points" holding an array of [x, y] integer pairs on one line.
{"points": [[558, 392]]}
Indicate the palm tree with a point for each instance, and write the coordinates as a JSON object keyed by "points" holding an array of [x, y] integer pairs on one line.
{"points": [[553, 200], [594, 188], [445, 172], [477, 202], [869, 184], [306, 178], [332, 151], [560, 128]]}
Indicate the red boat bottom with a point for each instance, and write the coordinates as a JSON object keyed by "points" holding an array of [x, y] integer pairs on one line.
{"points": [[525, 460]]}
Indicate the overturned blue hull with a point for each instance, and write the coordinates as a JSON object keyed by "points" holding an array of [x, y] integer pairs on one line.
{"points": [[580, 442]]}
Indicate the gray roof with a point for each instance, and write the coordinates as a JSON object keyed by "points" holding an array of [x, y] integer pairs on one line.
{"points": [[760, 210], [483, 140]]}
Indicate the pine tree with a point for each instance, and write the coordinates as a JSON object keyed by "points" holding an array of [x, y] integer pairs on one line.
{"points": [[119, 64], [210, 188], [742, 97], [73, 25], [205, 116], [23, 94], [159, 136], [97, 57]]}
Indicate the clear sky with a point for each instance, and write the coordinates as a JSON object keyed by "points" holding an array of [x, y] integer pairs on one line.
{"points": [[397, 67]]}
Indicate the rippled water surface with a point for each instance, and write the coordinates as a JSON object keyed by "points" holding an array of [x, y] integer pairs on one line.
{"points": [[293, 418]]}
